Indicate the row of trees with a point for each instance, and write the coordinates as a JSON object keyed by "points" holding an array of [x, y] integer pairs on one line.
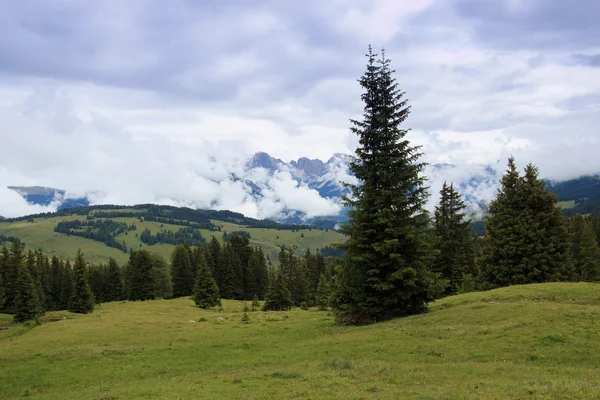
{"points": [[31, 284]]}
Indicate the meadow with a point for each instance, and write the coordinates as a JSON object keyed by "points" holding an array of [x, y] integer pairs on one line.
{"points": [[522, 342], [40, 234]]}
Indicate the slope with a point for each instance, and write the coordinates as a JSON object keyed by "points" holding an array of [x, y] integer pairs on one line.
{"points": [[527, 342], [38, 232]]}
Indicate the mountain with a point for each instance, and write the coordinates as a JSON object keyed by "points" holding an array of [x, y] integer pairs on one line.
{"points": [[262, 176], [45, 196]]}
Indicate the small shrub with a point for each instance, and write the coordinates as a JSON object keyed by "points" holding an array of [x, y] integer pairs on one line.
{"points": [[246, 309], [202, 319], [304, 306], [255, 303], [245, 318]]}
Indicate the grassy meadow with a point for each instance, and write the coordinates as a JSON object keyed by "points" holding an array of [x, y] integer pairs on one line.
{"points": [[40, 234], [523, 342]]}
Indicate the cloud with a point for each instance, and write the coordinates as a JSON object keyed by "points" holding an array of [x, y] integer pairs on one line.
{"points": [[138, 102]]}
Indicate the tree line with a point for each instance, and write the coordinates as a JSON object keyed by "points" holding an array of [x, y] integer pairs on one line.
{"points": [[32, 283], [104, 231]]}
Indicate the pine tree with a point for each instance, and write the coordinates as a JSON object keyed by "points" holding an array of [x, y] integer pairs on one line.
{"points": [[27, 305], [114, 282], [13, 260], [161, 277], [213, 257], [183, 272], [229, 282], [66, 285], [453, 239], [140, 280], [82, 299], [55, 282], [46, 277], [33, 264], [278, 297], [385, 270], [324, 292], [585, 251], [4, 260], [206, 292], [526, 238]]}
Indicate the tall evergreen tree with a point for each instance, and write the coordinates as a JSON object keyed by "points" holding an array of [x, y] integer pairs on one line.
{"points": [[387, 253], [140, 284], [46, 277], [455, 257], [66, 285], [278, 296], [258, 267], [55, 282], [114, 282], [213, 256], [4, 262], [229, 279], [27, 304], [33, 265], [324, 292], [10, 275], [206, 292], [161, 277], [82, 299], [526, 238], [183, 272], [585, 251]]}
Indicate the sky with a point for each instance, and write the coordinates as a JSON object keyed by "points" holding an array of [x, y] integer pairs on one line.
{"points": [[152, 101]]}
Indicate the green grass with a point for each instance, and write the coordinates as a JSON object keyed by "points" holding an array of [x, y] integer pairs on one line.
{"points": [[524, 342], [40, 235], [566, 204]]}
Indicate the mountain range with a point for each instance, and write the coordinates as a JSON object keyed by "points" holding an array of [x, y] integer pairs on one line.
{"points": [[477, 183]]}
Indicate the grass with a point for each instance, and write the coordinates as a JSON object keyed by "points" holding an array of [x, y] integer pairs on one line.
{"points": [[523, 342], [566, 204], [40, 235]]}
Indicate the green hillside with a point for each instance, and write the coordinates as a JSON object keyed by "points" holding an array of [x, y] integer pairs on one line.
{"points": [[38, 232], [526, 342]]}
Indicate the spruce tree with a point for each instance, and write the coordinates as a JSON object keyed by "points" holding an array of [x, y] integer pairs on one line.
{"points": [[584, 249], [27, 304], [278, 296], [82, 299], [324, 291], [213, 256], [161, 277], [183, 272], [33, 265], [114, 282], [4, 260], [206, 292], [384, 274], [526, 238], [66, 285], [46, 277], [140, 279], [55, 282], [11, 270], [229, 280], [455, 257]]}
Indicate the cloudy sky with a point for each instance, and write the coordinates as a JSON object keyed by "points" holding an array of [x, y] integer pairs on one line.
{"points": [[152, 101]]}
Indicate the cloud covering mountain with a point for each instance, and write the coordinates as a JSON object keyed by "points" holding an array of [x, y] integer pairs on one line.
{"points": [[132, 102]]}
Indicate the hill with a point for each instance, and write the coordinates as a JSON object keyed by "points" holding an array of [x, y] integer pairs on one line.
{"points": [[111, 231], [526, 342]]}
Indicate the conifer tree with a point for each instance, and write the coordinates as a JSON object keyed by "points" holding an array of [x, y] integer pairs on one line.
{"points": [[140, 278], [324, 292], [11, 270], [161, 277], [114, 282], [206, 292], [4, 260], [82, 299], [214, 256], [584, 249], [278, 296], [260, 274], [455, 257], [183, 272], [526, 238], [55, 282], [27, 305], [387, 253], [33, 268], [66, 285], [46, 277], [229, 279]]}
